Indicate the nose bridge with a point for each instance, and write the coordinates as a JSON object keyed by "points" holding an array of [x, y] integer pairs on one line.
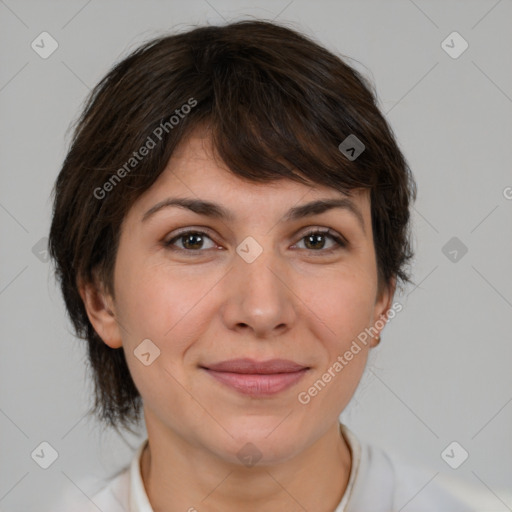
{"points": [[259, 297], [257, 267]]}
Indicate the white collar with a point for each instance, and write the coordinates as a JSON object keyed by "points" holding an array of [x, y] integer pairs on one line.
{"points": [[355, 451], [139, 501]]}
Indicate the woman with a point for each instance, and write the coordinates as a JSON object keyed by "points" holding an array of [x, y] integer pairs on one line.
{"points": [[229, 228]]}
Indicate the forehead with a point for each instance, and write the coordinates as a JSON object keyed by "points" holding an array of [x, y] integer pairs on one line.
{"points": [[194, 171]]}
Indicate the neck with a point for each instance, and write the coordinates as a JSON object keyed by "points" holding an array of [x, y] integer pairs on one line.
{"points": [[180, 477]]}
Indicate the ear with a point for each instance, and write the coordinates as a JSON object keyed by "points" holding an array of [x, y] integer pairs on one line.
{"points": [[383, 304], [101, 311]]}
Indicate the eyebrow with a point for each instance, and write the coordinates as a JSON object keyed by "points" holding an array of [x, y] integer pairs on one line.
{"points": [[214, 210]]}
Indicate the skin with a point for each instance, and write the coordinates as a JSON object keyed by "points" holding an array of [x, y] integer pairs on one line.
{"points": [[296, 301]]}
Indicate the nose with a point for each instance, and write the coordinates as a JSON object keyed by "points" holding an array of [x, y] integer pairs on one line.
{"points": [[260, 296]]}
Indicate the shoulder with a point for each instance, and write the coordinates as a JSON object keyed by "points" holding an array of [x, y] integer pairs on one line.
{"points": [[121, 492], [411, 487], [417, 488], [108, 496], [114, 497], [385, 482]]}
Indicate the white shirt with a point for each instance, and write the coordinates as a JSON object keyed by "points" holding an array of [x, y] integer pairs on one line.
{"points": [[377, 483]]}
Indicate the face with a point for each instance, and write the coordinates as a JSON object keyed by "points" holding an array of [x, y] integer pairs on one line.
{"points": [[255, 286]]}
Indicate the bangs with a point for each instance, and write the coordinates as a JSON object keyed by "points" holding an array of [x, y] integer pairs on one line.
{"points": [[269, 121]]}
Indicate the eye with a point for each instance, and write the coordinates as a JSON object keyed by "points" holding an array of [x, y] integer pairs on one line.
{"points": [[192, 240], [315, 240]]}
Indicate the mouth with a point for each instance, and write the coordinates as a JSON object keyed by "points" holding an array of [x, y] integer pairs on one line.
{"points": [[257, 378]]}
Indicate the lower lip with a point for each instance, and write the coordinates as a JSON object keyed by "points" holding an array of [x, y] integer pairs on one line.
{"points": [[258, 385]]}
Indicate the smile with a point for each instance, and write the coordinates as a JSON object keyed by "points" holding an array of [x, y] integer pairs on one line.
{"points": [[257, 379]]}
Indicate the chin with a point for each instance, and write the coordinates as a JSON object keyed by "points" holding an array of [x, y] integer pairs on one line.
{"points": [[262, 441], [265, 452]]}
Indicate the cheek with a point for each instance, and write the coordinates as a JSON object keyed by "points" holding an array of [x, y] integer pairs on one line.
{"points": [[163, 304], [155, 308], [342, 313], [344, 307], [144, 296]]}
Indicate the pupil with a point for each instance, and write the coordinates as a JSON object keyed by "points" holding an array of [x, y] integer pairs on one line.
{"points": [[315, 238], [192, 236]]}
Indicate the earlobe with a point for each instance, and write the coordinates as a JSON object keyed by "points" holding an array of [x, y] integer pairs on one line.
{"points": [[101, 312]]}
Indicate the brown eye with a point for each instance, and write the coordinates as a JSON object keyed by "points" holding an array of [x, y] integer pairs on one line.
{"points": [[315, 241], [191, 241]]}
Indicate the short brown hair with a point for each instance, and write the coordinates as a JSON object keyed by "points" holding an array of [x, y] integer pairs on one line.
{"points": [[276, 104]]}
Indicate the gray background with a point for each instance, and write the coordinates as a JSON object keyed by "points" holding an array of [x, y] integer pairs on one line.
{"points": [[442, 372]]}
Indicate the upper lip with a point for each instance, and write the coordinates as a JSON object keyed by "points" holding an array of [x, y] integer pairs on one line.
{"points": [[250, 366]]}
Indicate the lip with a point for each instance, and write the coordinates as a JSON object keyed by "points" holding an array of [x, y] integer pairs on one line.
{"points": [[257, 378]]}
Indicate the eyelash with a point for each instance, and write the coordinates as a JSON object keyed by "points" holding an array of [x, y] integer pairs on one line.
{"points": [[340, 242]]}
